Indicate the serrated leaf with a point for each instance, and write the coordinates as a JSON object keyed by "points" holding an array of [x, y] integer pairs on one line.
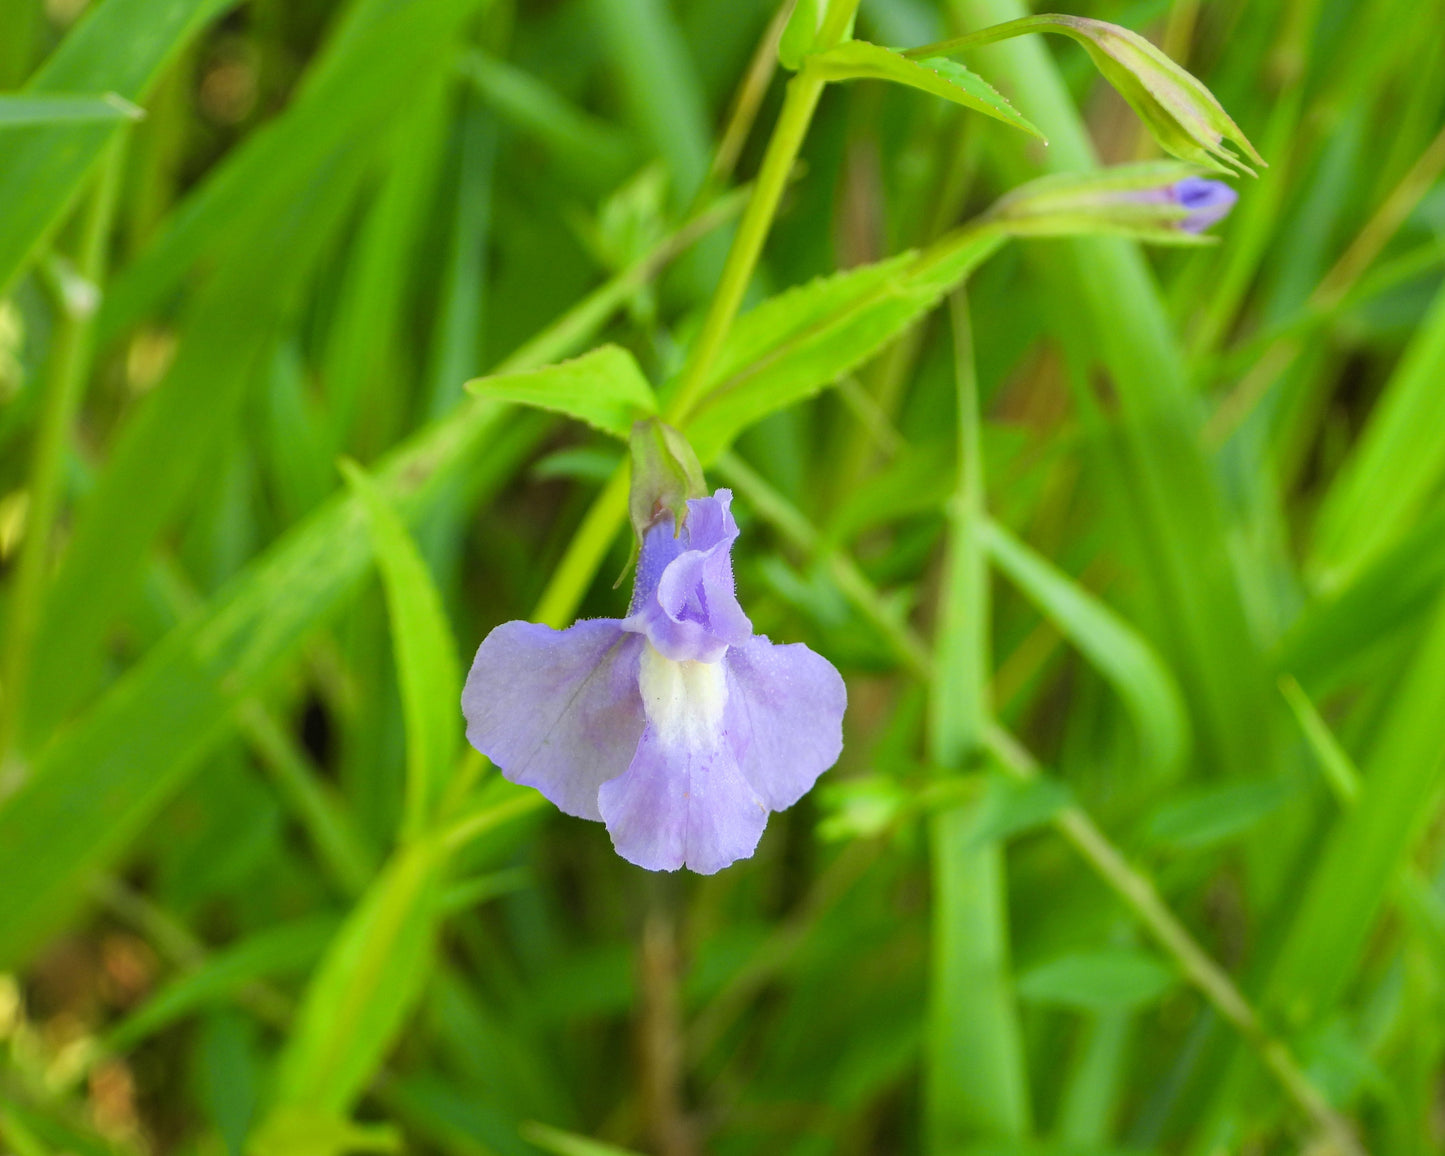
{"points": [[604, 388], [859, 60], [800, 342], [1109, 980]]}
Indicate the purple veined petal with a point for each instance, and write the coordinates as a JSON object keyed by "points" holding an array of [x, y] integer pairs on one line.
{"points": [[558, 710], [683, 802], [690, 611], [784, 717]]}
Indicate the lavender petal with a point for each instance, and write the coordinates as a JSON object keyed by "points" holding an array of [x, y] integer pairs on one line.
{"points": [[784, 717], [1208, 202], [689, 611], [558, 710], [682, 806]]}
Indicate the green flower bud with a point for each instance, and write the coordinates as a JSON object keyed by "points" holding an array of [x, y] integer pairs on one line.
{"points": [[1163, 202], [1180, 112], [665, 474]]}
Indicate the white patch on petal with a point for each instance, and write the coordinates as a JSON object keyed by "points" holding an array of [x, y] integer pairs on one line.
{"points": [[683, 701]]}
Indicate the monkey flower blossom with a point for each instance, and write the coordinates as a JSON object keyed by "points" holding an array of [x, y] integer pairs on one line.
{"points": [[676, 726]]}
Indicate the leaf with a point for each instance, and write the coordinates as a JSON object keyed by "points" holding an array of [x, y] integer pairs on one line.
{"points": [[365, 988], [1181, 113], [592, 152], [1109, 980], [426, 654], [1010, 807], [1395, 468], [119, 47], [363, 80], [1334, 761], [803, 340], [1346, 885], [859, 60], [1206, 818], [1394, 591], [799, 34], [18, 111], [604, 388], [1113, 647], [20, 1138]]}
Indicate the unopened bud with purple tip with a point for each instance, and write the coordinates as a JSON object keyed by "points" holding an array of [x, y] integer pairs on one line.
{"points": [[1163, 202], [1208, 202]]}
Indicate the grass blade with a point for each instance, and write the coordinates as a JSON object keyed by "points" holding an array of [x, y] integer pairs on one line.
{"points": [[120, 47], [426, 654], [1110, 645]]}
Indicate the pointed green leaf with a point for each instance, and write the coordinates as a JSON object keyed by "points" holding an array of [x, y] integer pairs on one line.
{"points": [[604, 388], [1113, 647], [1107, 980], [426, 654], [859, 60], [801, 341]]}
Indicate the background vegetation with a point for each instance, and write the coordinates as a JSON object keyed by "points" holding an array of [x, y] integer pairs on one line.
{"points": [[1135, 844]]}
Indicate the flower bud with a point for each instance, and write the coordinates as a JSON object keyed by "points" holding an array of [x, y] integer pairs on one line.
{"points": [[665, 474], [1178, 109], [1162, 202], [1183, 115]]}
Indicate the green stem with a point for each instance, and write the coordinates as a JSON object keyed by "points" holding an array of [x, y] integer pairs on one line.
{"points": [[800, 103], [798, 107], [68, 368], [584, 555], [991, 35]]}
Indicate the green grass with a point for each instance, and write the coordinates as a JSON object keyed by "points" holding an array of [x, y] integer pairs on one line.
{"points": [[1133, 558]]}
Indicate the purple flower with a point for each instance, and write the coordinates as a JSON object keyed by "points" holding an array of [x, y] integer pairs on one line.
{"points": [[677, 726], [1208, 201]]}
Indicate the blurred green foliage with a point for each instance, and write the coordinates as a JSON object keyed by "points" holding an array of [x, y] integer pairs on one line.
{"points": [[1134, 563]]}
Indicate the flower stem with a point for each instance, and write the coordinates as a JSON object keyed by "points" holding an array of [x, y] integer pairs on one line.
{"points": [[800, 103], [798, 107], [609, 511]]}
